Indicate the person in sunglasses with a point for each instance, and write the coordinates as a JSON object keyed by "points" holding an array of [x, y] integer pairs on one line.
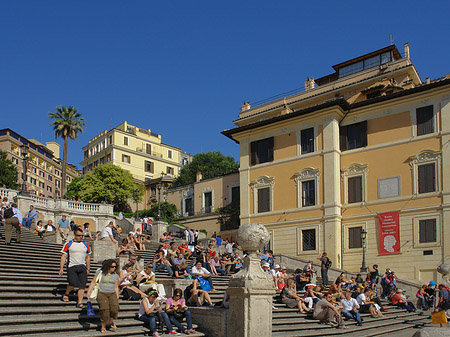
{"points": [[108, 293]]}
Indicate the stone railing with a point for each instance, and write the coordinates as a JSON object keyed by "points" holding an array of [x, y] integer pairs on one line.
{"points": [[10, 194]]}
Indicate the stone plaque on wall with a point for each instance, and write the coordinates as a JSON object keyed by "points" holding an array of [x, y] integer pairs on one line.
{"points": [[388, 187]]}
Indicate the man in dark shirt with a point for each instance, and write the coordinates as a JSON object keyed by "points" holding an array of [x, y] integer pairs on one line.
{"points": [[444, 297], [324, 268]]}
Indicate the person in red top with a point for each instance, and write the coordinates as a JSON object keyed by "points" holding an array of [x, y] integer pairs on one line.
{"points": [[399, 301], [183, 248]]}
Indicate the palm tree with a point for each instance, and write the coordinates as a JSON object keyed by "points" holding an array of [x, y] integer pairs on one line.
{"points": [[67, 122]]}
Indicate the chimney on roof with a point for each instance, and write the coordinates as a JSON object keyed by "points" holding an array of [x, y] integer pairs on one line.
{"points": [[428, 80], [246, 106], [406, 49], [309, 83]]}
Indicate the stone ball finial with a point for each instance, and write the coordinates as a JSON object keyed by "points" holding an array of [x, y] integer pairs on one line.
{"points": [[252, 236], [444, 269]]}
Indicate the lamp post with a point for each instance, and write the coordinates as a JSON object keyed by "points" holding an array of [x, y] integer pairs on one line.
{"points": [[106, 197], [24, 149], [158, 186], [136, 199], [363, 238]]}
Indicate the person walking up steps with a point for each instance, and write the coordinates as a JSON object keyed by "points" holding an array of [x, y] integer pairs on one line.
{"points": [[78, 253]]}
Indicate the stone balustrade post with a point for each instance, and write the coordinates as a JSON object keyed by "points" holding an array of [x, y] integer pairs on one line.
{"points": [[158, 228], [251, 289]]}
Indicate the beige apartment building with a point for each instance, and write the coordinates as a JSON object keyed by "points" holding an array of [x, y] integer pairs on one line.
{"points": [[362, 152], [137, 150], [44, 168], [197, 203]]}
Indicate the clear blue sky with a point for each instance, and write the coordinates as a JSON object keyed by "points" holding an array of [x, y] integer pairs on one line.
{"points": [[183, 68]]}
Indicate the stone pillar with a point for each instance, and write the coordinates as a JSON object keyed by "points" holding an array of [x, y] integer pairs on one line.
{"points": [[103, 249], [251, 290], [158, 227]]}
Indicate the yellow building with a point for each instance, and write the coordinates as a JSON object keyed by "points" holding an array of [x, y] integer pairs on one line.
{"points": [[44, 168], [134, 149], [364, 149], [197, 203]]}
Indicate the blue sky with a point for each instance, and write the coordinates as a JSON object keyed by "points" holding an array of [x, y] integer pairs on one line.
{"points": [[183, 68]]}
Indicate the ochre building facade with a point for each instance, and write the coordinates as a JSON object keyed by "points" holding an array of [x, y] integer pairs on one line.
{"points": [[351, 153]]}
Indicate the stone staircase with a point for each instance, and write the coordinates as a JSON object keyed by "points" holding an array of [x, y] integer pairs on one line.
{"points": [[29, 307]]}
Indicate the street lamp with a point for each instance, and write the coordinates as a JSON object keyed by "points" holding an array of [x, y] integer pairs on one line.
{"points": [[363, 239], [106, 197], [158, 186], [136, 198], [24, 149]]}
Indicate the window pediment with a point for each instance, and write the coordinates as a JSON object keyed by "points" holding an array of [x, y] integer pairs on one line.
{"points": [[354, 169], [306, 173], [424, 156], [262, 181]]}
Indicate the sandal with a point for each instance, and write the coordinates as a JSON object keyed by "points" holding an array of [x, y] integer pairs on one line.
{"points": [[81, 306], [65, 298]]}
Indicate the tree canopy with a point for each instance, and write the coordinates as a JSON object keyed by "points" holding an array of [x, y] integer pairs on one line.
{"points": [[8, 172], [115, 182], [67, 123], [210, 165]]}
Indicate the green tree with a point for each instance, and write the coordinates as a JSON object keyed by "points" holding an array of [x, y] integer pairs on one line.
{"points": [[8, 172], [115, 182], [67, 122], [210, 165]]}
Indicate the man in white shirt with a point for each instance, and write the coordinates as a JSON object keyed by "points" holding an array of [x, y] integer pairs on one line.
{"points": [[350, 308], [366, 305], [199, 271], [107, 234], [14, 221]]}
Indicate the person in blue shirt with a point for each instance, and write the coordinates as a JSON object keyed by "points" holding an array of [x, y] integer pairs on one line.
{"points": [[218, 241], [63, 227], [32, 216]]}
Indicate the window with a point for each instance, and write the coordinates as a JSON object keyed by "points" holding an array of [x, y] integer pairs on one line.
{"points": [[353, 136], [126, 159], [110, 139], [307, 140], [308, 239], [41, 184], [149, 166], [308, 193], [367, 63], [354, 189], [427, 231], [15, 160], [189, 206], [58, 183], [148, 148], [102, 160], [207, 199], [424, 119], [170, 170], [49, 188], [235, 194], [354, 237], [264, 200], [427, 178], [42, 174], [33, 181], [261, 151], [169, 154], [50, 177], [57, 172], [108, 157], [33, 169], [125, 140]]}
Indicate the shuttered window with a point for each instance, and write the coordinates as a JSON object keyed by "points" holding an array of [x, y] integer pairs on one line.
{"points": [[354, 189], [148, 148], [427, 178], [125, 140], [424, 117], [354, 237], [148, 166], [264, 200], [353, 136], [427, 231], [307, 140], [261, 151], [308, 239]]}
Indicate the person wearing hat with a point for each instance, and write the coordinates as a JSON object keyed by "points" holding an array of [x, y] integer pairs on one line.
{"points": [[400, 302], [266, 268], [275, 272]]}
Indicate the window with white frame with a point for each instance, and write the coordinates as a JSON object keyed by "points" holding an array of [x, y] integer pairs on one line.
{"points": [[307, 240], [307, 140], [207, 201], [427, 230], [307, 187], [425, 171], [169, 154], [262, 194], [355, 178]]}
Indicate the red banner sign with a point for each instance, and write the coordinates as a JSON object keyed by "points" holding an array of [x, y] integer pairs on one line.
{"points": [[388, 233]]}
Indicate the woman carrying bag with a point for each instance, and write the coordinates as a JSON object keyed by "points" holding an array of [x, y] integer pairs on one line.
{"points": [[108, 293], [177, 309]]}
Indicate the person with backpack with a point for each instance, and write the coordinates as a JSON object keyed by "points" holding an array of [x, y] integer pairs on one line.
{"points": [[78, 255], [325, 264], [13, 218]]}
